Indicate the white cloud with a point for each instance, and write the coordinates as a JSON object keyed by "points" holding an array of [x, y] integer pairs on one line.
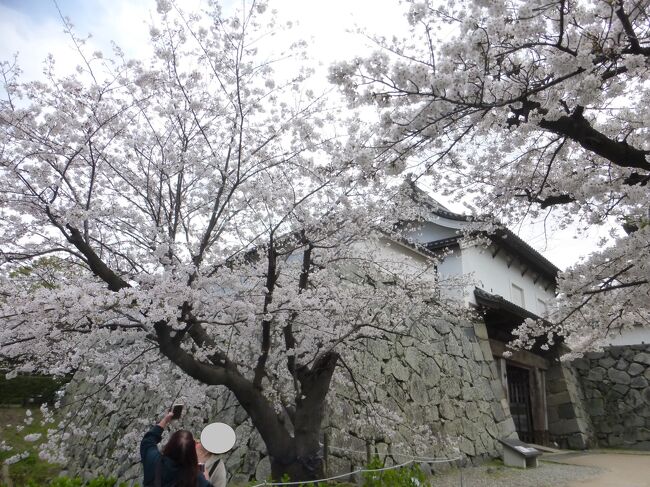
{"points": [[326, 24], [34, 37], [330, 24]]}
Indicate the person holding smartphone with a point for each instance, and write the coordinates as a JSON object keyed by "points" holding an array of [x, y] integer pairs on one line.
{"points": [[177, 465]]}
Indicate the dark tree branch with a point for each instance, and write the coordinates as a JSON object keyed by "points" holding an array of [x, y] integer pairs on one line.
{"points": [[617, 286], [577, 128], [20, 256], [289, 339], [627, 26], [548, 201], [636, 178], [256, 405], [271, 277], [96, 264]]}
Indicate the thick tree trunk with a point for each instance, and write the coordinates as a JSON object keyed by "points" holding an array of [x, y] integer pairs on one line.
{"points": [[297, 469], [303, 461]]}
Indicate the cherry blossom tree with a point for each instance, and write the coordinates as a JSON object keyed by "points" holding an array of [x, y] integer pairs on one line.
{"points": [[528, 107], [203, 207]]}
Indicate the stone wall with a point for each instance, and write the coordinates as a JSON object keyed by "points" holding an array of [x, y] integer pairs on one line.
{"points": [[98, 432], [447, 380], [616, 384], [569, 422], [442, 377]]}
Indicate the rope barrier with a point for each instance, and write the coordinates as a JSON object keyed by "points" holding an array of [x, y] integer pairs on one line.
{"points": [[403, 455], [361, 470]]}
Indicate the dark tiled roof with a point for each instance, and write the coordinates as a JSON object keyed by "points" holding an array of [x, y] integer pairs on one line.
{"points": [[422, 198], [493, 302], [484, 298], [443, 243], [512, 242], [418, 247]]}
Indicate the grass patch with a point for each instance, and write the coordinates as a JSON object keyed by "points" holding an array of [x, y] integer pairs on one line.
{"points": [[32, 468], [493, 462]]}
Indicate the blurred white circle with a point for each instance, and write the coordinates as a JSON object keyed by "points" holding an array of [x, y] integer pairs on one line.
{"points": [[218, 437]]}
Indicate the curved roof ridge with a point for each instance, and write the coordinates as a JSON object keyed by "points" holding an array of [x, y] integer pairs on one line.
{"points": [[418, 195], [501, 235]]}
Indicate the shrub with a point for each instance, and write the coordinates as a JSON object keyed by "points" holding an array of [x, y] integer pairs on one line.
{"points": [[408, 476], [29, 389]]}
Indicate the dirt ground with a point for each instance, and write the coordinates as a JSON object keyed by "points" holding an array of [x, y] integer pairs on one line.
{"points": [[617, 469]]}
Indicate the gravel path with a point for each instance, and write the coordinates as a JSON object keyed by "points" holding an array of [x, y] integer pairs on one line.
{"points": [[622, 469], [546, 475]]}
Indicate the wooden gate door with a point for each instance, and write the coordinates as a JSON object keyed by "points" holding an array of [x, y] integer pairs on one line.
{"points": [[520, 408]]}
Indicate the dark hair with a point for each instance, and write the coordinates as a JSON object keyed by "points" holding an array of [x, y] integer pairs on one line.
{"points": [[180, 448]]}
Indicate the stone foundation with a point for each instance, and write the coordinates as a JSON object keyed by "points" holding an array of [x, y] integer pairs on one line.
{"points": [[569, 422], [616, 383]]}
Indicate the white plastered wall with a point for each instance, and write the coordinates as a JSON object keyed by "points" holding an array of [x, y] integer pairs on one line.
{"points": [[636, 336], [497, 274]]}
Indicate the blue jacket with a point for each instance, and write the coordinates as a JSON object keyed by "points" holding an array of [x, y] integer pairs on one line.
{"points": [[150, 455]]}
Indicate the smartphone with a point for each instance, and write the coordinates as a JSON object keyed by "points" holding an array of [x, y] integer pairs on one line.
{"points": [[177, 409]]}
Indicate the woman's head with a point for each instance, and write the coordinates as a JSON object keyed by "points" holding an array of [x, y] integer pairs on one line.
{"points": [[180, 448]]}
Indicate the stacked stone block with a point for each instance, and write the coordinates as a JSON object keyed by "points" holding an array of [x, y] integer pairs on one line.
{"points": [[447, 379], [569, 422], [616, 383]]}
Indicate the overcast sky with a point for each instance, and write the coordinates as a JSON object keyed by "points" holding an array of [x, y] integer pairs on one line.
{"points": [[33, 28]]}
